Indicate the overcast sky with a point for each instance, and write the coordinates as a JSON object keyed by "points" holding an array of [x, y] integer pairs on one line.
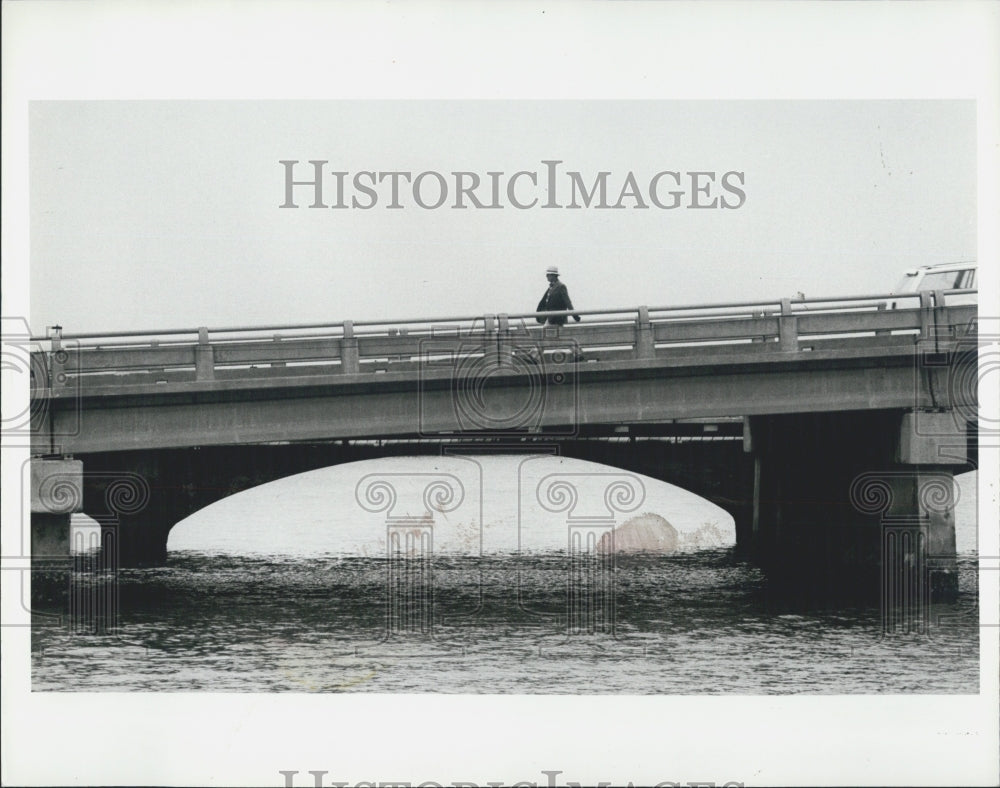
{"points": [[155, 214]]}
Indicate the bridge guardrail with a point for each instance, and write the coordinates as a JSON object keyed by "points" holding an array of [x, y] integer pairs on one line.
{"points": [[348, 347]]}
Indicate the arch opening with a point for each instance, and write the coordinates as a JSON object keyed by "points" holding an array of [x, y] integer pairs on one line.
{"points": [[471, 504]]}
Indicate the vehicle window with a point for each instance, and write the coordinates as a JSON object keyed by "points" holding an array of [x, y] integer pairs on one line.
{"points": [[940, 280], [968, 279]]}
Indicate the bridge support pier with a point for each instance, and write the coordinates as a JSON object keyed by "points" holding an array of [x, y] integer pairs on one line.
{"points": [[136, 501], [56, 493], [851, 504]]}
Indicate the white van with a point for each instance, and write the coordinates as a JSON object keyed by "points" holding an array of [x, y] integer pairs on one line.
{"points": [[944, 276]]}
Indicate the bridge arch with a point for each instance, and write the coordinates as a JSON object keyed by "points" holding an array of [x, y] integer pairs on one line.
{"points": [[183, 482]]}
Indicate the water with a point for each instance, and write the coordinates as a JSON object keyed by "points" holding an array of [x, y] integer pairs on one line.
{"points": [[300, 619]]}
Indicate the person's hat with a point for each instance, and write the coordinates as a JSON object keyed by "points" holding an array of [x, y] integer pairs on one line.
{"points": [[552, 270]]}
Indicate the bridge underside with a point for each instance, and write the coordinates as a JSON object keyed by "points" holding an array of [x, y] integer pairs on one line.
{"points": [[180, 482], [826, 502]]}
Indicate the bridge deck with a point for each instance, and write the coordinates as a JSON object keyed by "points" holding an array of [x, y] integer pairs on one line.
{"points": [[497, 374]]}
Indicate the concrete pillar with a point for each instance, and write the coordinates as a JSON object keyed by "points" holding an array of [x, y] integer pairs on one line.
{"points": [[49, 536], [350, 362], [810, 536], [932, 445], [56, 493], [926, 316], [882, 331], [645, 345], [204, 357], [136, 497], [841, 508], [788, 331]]}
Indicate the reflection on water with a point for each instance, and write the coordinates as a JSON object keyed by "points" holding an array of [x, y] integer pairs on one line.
{"points": [[699, 622]]}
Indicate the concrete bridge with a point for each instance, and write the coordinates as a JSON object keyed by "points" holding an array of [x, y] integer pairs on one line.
{"points": [[847, 418]]}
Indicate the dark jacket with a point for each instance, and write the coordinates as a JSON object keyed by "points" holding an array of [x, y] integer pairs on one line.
{"points": [[556, 299]]}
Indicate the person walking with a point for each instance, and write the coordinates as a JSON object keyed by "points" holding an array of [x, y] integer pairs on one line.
{"points": [[555, 299]]}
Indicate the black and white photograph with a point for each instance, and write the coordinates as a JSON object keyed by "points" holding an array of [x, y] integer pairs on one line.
{"points": [[394, 416]]}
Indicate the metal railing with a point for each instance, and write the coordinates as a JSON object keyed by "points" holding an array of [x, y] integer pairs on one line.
{"points": [[192, 355]]}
